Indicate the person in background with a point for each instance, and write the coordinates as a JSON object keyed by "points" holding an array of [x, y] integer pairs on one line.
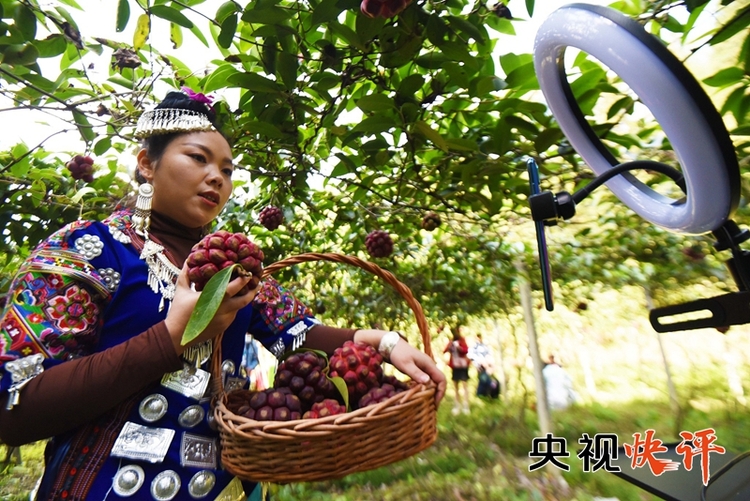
{"points": [[559, 386], [480, 357], [459, 364], [251, 365]]}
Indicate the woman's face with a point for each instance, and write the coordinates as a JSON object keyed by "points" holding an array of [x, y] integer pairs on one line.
{"points": [[193, 179]]}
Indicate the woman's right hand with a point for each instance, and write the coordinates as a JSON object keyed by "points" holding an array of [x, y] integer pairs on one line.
{"points": [[184, 302]]}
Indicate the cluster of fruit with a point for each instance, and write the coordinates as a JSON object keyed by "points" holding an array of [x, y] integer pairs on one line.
{"points": [[220, 250], [383, 8], [81, 167], [304, 388], [271, 217]]}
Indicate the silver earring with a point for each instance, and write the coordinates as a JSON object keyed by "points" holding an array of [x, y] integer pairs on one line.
{"points": [[142, 215]]}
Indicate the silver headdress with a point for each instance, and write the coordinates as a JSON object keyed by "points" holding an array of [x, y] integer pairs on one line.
{"points": [[169, 120]]}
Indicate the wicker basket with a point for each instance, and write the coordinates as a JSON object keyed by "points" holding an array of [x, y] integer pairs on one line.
{"points": [[327, 448]]}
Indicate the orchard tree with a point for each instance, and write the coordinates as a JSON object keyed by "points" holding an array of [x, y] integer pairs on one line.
{"points": [[348, 116]]}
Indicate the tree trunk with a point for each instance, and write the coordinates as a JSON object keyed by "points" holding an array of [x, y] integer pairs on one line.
{"points": [[673, 400], [542, 406], [499, 367]]}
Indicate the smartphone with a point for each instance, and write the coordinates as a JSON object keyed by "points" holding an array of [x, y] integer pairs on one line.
{"points": [[541, 239]]}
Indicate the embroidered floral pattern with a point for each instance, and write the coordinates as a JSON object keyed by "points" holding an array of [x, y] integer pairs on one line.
{"points": [[279, 308], [73, 310]]}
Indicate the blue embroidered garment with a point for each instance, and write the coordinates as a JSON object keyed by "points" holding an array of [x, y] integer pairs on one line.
{"points": [[84, 290]]}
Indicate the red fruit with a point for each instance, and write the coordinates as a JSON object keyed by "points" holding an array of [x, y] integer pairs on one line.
{"points": [[281, 414], [383, 8], [379, 243], [302, 374], [264, 414], [359, 365], [258, 400], [397, 383], [271, 217], [293, 403], [81, 167], [326, 407], [250, 414], [217, 251], [377, 395], [430, 221], [276, 399]]}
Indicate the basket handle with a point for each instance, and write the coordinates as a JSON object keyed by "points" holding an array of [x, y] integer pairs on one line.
{"points": [[372, 268]]}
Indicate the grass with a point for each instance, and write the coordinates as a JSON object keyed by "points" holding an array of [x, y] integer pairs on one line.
{"points": [[483, 456]]}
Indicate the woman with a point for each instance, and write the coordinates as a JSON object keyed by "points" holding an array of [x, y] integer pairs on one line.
{"points": [[459, 364], [91, 337]]}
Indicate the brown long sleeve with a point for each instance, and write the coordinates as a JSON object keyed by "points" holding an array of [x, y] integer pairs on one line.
{"points": [[68, 395], [327, 339]]}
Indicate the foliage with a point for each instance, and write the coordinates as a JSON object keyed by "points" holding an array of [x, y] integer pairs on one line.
{"points": [[351, 124]]}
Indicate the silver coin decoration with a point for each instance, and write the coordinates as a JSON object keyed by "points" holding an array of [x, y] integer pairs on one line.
{"points": [[211, 420], [201, 484], [153, 408], [128, 480], [111, 278], [89, 245], [165, 485], [227, 366], [191, 416]]}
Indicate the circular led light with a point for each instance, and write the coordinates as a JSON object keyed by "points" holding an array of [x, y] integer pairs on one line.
{"points": [[667, 88]]}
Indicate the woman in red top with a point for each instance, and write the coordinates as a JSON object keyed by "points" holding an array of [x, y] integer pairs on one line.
{"points": [[459, 363]]}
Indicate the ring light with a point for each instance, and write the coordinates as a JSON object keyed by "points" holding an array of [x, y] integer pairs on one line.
{"points": [[667, 88]]}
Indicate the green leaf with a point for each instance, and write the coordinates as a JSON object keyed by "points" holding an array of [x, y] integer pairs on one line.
{"points": [[175, 35], [725, 77], [123, 15], [171, 14], [262, 128], [348, 34], [430, 134], [228, 29], [287, 66], [19, 54], [254, 82], [340, 385], [199, 35], [376, 123], [267, 15], [461, 144], [52, 46], [142, 29], [547, 138], [102, 145], [738, 24], [80, 194], [25, 21], [468, 29], [325, 11], [375, 102], [411, 84], [217, 79], [225, 10], [207, 305], [530, 7], [84, 127]]}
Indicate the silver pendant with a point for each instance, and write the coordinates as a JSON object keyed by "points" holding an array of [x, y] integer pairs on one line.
{"points": [[198, 451], [142, 443], [198, 354], [191, 416], [234, 383], [153, 408], [190, 382], [201, 484], [227, 366], [165, 485], [128, 480]]}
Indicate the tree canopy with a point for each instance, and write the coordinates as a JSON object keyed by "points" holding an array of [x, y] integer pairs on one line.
{"points": [[351, 123]]}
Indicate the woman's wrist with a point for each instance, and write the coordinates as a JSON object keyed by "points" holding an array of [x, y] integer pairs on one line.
{"points": [[383, 341]]}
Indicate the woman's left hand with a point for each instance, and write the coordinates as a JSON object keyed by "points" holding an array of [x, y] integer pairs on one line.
{"points": [[408, 359]]}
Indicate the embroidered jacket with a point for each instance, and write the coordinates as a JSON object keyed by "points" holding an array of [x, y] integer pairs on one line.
{"points": [[85, 290]]}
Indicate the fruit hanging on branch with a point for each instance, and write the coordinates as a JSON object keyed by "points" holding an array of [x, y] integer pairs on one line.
{"points": [[383, 8], [379, 243], [430, 221], [212, 264], [81, 167], [271, 217]]}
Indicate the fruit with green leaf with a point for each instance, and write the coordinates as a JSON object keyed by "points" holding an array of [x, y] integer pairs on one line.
{"points": [[304, 373], [221, 250], [81, 168], [359, 365]]}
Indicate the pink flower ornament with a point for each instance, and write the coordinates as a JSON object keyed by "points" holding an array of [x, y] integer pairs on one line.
{"points": [[198, 96]]}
